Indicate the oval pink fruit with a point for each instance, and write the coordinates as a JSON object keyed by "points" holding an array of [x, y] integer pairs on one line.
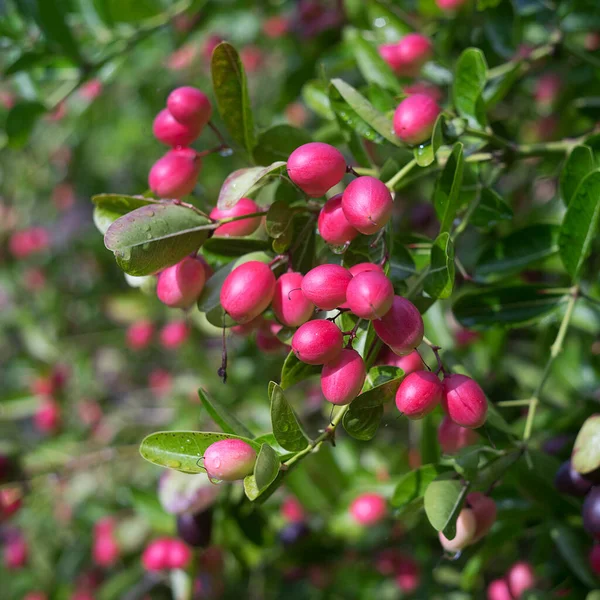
{"points": [[485, 511], [453, 437], [368, 509], [189, 106], [342, 378], [316, 167], [290, 305], [325, 286], [180, 285], [370, 295], [367, 204], [175, 174], [317, 342], [333, 226], [401, 328], [229, 460], [240, 228], [464, 401], [418, 394], [415, 117], [465, 530], [171, 132]]}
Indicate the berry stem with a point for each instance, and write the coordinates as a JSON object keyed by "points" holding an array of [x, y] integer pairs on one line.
{"points": [[218, 134], [350, 169], [436, 351], [391, 184], [219, 148]]}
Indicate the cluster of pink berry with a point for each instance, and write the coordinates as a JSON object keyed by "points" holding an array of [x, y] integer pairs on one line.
{"points": [[178, 125], [519, 578], [166, 553]]}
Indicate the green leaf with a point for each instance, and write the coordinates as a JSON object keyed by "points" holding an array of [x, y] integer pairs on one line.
{"points": [[386, 25], [155, 236], [266, 470], [279, 219], [580, 224], [413, 485], [447, 188], [235, 246], [127, 11], [586, 451], [430, 448], [304, 243], [370, 64], [222, 417], [21, 120], [402, 265], [573, 551], [109, 207], [378, 376], [231, 92], [294, 371], [509, 306], [491, 210], [52, 20], [362, 422], [183, 450], [239, 183], [470, 76], [579, 164], [278, 142], [466, 461], [316, 97], [512, 254], [501, 28], [439, 283], [443, 500], [365, 110], [425, 153], [287, 430]]}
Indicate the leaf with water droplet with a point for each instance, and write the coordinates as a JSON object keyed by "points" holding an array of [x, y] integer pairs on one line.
{"points": [[239, 183], [286, 428], [109, 207]]}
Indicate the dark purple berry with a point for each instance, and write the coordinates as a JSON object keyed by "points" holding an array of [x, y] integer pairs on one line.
{"points": [[195, 530], [293, 533], [569, 481], [591, 512]]}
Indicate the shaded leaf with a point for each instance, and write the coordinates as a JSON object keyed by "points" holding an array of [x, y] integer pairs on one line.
{"points": [[578, 164], [447, 188], [574, 552], [287, 430], [227, 421], [109, 207], [266, 470], [21, 120], [413, 485], [439, 283], [443, 500], [235, 246], [239, 183], [362, 422], [470, 75], [425, 153], [278, 142], [491, 210], [316, 97], [294, 371]]}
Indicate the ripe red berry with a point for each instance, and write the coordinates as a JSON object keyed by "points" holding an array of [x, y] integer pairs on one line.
{"points": [[325, 286], [180, 285], [520, 578], [595, 559], [16, 552], [401, 328], [175, 174], [418, 394], [290, 305], [189, 106], [155, 555], [409, 364], [412, 52], [362, 267], [407, 575], [178, 554], [591, 512], [105, 551], [465, 530], [415, 117], [367, 204], [316, 167], [333, 226], [342, 378], [292, 511], [370, 295], [498, 590], [485, 511], [173, 334], [368, 509], [453, 437], [464, 401], [317, 342], [47, 417], [247, 291], [171, 132], [139, 334], [240, 228], [229, 460]]}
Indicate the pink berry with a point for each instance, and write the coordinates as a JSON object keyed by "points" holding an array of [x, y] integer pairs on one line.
{"points": [[155, 555], [189, 106], [317, 342], [412, 52], [247, 291], [290, 305], [47, 417], [498, 590], [292, 511], [333, 226], [409, 364], [370, 295], [450, 5], [16, 552], [105, 527], [175, 174], [401, 328], [389, 53], [595, 559], [418, 394], [407, 576], [105, 551], [367, 204], [453, 437], [173, 334], [368, 509], [342, 378], [171, 132], [415, 117], [139, 334], [520, 577], [325, 286], [485, 511], [237, 228], [178, 554], [464, 401], [180, 285], [229, 460], [362, 267], [316, 167], [465, 530]]}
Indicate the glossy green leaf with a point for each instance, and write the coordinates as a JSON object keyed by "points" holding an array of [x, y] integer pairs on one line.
{"points": [[386, 25], [380, 375], [239, 183], [286, 428], [183, 450], [510, 306], [425, 153], [266, 470], [491, 210], [574, 551], [365, 110], [109, 207], [362, 422], [580, 224], [370, 64], [226, 420], [316, 96], [439, 283], [302, 249], [586, 451], [279, 219], [517, 251], [447, 188], [231, 92], [443, 500], [235, 246], [470, 75], [278, 142], [294, 371], [402, 265], [578, 164], [413, 485], [21, 120], [155, 236]]}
